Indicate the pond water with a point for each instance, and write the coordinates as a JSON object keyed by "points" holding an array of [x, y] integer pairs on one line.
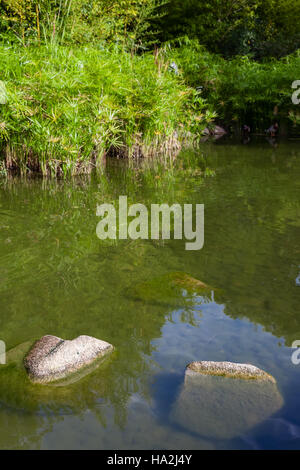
{"points": [[57, 277]]}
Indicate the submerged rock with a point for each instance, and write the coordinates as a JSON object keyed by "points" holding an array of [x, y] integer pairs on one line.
{"points": [[16, 355], [175, 288], [230, 369], [224, 407], [216, 130], [52, 358]]}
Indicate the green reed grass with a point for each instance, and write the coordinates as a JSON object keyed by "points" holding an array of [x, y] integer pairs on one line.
{"points": [[67, 108]]}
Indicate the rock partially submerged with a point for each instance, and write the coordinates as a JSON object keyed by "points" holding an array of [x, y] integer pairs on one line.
{"points": [[230, 369], [218, 130], [3, 93], [18, 392], [214, 405], [52, 358]]}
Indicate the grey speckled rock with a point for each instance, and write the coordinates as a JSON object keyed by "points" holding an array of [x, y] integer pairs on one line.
{"points": [[220, 407], [230, 369], [52, 358]]}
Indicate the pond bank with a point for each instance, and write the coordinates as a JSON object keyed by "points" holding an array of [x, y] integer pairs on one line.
{"points": [[65, 108]]}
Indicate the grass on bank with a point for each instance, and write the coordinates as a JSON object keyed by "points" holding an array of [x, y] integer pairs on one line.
{"points": [[64, 108], [242, 90]]}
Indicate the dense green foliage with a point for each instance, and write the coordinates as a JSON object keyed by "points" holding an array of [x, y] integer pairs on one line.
{"points": [[82, 79]]}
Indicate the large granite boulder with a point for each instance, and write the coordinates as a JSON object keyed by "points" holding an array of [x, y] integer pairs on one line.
{"points": [[52, 358], [224, 400]]}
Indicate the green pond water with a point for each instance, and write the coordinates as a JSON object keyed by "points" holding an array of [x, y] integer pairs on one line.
{"points": [[57, 277]]}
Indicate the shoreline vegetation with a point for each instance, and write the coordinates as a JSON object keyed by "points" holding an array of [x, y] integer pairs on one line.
{"points": [[78, 86], [68, 108]]}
